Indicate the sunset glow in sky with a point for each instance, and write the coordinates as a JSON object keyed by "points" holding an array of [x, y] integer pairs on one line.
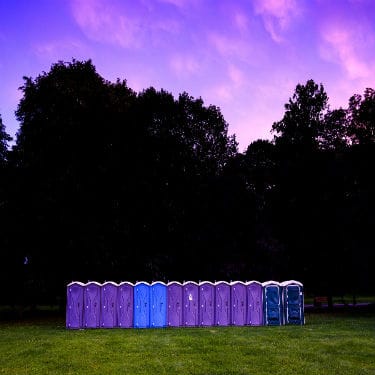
{"points": [[245, 56]]}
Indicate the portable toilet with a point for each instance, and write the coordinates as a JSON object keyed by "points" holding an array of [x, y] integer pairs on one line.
{"points": [[239, 304], [293, 305], [254, 303], [125, 299], [141, 305], [108, 316], [74, 305], [206, 303], [272, 303], [175, 305], [158, 304], [92, 305], [191, 304], [222, 303]]}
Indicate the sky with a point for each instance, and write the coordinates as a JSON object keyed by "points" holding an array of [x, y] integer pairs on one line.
{"points": [[244, 56]]}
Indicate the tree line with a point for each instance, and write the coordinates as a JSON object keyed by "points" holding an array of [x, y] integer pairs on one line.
{"points": [[104, 183]]}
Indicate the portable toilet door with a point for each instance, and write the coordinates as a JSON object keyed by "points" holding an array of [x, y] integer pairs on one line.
{"points": [[92, 305], [125, 301], [142, 305], [293, 302], [206, 303], [158, 305], [175, 305], [222, 303], [272, 303], [191, 304], [74, 305], [254, 303], [109, 305], [239, 303]]}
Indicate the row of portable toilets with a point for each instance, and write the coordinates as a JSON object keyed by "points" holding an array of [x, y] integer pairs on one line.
{"points": [[191, 304]]}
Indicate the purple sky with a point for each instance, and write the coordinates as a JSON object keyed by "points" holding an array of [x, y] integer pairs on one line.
{"points": [[245, 56]]}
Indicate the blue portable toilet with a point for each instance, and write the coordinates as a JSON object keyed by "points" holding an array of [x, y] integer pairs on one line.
{"points": [[108, 316], [293, 305], [125, 300], [74, 305], [254, 303], [175, 304], [222, 303], [239, 303], [92, 306], [191, 304], [272, 303], [142, 305], [158, 304], [206, 303]]}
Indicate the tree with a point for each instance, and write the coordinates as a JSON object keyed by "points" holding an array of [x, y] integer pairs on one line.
{"points": [[4, 139], [361, 116], [333, 135], [303, 117], [106, 176]]}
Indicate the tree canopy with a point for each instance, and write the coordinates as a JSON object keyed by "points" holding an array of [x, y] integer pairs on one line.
{"points": [[107, 183]]}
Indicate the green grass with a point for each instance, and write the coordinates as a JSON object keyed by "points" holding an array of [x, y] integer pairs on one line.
{"points": [[328, 344]]}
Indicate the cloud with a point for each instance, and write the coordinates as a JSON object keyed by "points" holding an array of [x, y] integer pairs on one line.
{"points": [[241, 21], [228, 46], [277, 16], [56, 50], [181, 3], [106, 22], [184, 65], [349, 46]]}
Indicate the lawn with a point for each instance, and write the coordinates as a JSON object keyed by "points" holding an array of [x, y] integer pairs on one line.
{"points": [[341, 343]]}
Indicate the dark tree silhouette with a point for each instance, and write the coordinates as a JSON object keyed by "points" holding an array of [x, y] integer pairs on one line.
{"points": [[303, 117], [361, 113]]}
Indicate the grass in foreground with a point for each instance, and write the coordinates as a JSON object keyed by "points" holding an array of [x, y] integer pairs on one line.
{"points": [[327, 344]]}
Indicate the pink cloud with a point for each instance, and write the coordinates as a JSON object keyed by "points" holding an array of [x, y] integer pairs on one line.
{"points": [[229, 47], [183, 65], [346, 46], [277, 15], [55, 50], [241, 21], [106, 22]]}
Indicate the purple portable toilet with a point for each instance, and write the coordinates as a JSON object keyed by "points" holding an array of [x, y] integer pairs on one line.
{"points": [[175, 309], [91, 296], [125, 305], [239, 304], [191, 304], [142, 305], [206, 303], [223, 305], [108, 316], [254, 303], [74, 305]]}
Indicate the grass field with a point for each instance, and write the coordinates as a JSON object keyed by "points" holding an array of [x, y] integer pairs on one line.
{"points": [[341, 343]]}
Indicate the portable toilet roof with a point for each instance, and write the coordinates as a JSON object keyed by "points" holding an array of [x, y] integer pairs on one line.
{"points": [[253, 282], [222, 282], [158, 282], [271, 282], [76, 283], [125, 283], [110, 283], [190, 282], [174, 282], [291, 282]]}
